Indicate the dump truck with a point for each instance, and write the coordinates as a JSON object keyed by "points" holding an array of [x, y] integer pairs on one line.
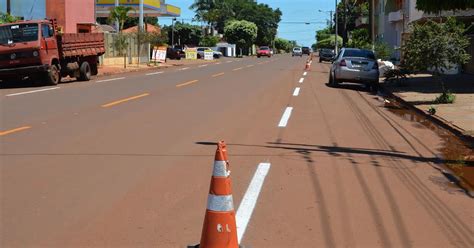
{"points": [[38, 50]]}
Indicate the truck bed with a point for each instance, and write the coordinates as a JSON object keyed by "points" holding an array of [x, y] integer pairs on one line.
{"points": [[82, 44]]}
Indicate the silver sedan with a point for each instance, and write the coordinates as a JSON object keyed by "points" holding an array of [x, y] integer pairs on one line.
{"points": [[355, 66]]}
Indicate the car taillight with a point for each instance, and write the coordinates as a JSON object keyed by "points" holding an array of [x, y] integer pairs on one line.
{"points": [[343, 63]]}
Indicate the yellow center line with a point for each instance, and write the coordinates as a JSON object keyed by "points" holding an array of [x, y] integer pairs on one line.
{"points": [[14, 130], [218, 74], [187, 83], [124, 100], [236, 69]]}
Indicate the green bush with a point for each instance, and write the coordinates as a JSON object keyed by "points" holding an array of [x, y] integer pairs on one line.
{"points": [[209, 41], [383, 51], [445, 98]]}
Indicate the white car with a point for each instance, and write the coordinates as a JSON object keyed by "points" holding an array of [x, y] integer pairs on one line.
{"points": [[200, 52]]}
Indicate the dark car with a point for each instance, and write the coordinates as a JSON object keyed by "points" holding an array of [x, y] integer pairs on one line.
{"points": [[326, 55], [175, 53], [306, 50]]}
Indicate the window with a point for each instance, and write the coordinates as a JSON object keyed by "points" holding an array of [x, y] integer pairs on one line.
{"points": [[46, 31]]}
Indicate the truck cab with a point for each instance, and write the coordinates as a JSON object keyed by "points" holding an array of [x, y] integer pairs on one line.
{"points": [[27, 48]]}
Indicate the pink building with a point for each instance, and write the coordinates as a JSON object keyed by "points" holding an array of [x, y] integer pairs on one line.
{"points": [[71, 14]]}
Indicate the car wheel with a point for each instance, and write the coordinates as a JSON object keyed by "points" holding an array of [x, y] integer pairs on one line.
{"points": [[320, 61], [334, 82]]}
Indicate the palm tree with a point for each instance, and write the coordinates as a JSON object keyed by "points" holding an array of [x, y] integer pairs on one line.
{"points": [[120, 14]]}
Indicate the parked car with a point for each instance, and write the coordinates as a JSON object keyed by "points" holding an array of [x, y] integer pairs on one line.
{"points": [[326, 55], [264, 51], [200, 52], [175, 53], [356, 66], [306, 50], [297, 51]]}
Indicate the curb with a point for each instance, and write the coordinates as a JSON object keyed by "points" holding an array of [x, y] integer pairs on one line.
{"points": [[457, 131], [440, 122]]}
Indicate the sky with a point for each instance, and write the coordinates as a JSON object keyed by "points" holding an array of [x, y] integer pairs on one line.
{"points": [[295, 14]]}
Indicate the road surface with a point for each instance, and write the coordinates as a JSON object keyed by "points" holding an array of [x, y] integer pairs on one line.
{"points": [[126, 161]]}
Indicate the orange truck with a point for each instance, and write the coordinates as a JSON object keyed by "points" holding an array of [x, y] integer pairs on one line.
{"points": [[37, 50]]}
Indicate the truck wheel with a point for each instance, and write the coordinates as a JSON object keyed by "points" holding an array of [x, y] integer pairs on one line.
{"points": [[53, 76], [85, 72], [94, 70]]}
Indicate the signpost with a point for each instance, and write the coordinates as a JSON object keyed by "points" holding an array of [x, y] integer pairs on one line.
{"points": [[208, 55], [191, 53], [159, 54]]}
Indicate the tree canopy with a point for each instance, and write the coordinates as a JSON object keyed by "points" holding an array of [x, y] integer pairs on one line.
{"points": [[436, 6], [241, 33], [7, 18], [218, 12], [120, 13], [184, 33], [436, 46]]}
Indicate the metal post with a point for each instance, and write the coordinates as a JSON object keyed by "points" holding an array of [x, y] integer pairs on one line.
{"points": [[117, 24], [141, 15], [335, 36], [330, 19], [172, 31]]}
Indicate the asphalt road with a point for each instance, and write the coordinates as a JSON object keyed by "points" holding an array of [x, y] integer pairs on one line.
{"points": [[126, 161]]}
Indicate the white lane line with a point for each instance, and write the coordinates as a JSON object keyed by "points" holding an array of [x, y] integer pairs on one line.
{"points": [[33, 91], [111, 79], [301, 80], [229, 61], [285, 117], [202, 66], [218, 63], [183, 69], [305, 73], [249, 201], [154, 73], [296, 92]]}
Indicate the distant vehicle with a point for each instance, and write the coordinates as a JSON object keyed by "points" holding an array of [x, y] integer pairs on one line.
{"points": [[306, 50], [264, 51], [175, 53], [357, 66], [297, 51], [326, 55], [35, 50], [200, 52]]}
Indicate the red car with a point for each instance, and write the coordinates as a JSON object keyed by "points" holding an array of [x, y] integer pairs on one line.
{"points": [[264, 51]]}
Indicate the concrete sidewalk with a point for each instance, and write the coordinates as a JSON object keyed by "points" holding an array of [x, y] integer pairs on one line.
{"points": [[421, 90], [107, 70]]}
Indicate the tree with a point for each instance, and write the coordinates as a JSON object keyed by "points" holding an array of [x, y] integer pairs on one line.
{"points": [[436, 6], [360, 39], [283, 44], [218, 12], [209, 41], [324, 34], [329, 42], [184, 33], [436, 46], [120, 14], [7, 18], [241, 33]]}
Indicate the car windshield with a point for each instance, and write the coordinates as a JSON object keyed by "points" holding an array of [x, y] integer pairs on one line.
{"points": [[359, 54], [18, 33], [296, 49], [326, 51]]}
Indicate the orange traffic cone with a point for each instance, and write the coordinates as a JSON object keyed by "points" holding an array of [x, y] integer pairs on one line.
{"points": [[219, 229], [307, 66]]}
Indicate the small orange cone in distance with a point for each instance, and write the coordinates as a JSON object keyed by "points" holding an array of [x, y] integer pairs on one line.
{"points": [[307, 66], [219, 229]]}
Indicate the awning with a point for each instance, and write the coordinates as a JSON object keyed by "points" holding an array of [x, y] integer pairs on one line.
{"points": [[154, 8]]}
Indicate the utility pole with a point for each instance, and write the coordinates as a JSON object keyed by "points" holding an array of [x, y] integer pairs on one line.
{"points": [[335, 36], [344, 32], [9, 7], [117, 24], [372, 22], [141, 15], [172, 31]]}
